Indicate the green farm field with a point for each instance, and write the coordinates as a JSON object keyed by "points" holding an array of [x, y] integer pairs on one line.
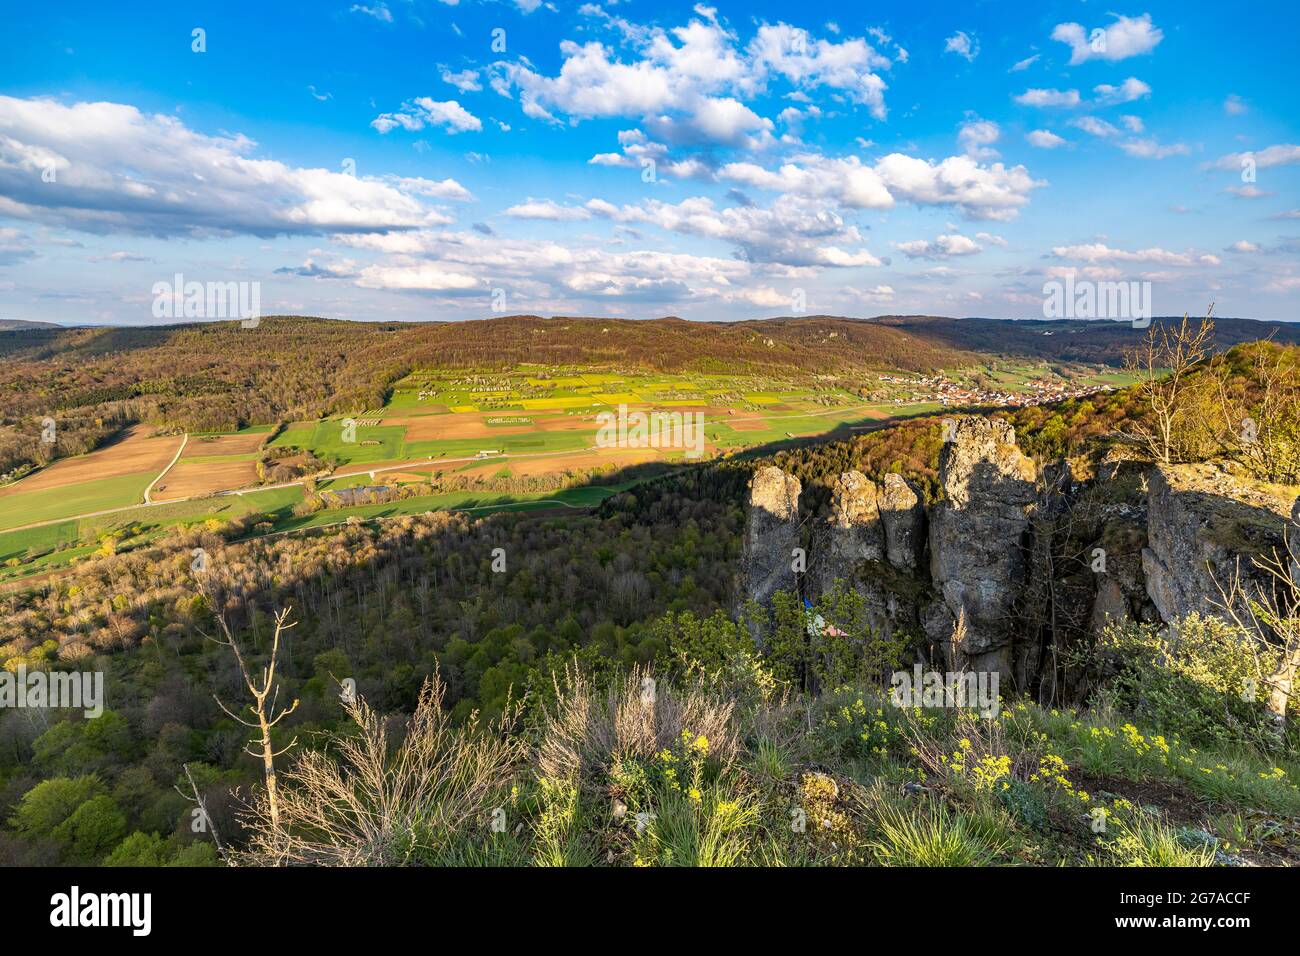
{"points": [[88, 496], [478, 427]]}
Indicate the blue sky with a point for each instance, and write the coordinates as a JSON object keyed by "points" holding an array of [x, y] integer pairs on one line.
{"points": [[425, 160]]}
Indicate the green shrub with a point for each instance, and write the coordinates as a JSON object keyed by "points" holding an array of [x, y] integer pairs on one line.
{"points": [[1194, 680], [45, 807], [830, 645], [1025, 803]]}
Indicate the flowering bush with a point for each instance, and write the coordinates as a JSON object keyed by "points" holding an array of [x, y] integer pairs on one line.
{"points": [[1201, 679]]}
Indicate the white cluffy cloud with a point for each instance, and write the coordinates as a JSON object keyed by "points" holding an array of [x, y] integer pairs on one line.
{"points": [[1128, 91], [1044, 139], [1040, 97], [639, 151], [942, 247], [466, 81], [1153, 149], [548, 210], [963, 44], [977, 137], [1100, 252], [1106, 95], [1094, 126], [794, 231], [689, 84], [980, 192], [379, 11], [425, 111], [1126, 37], [1281, 155], [460, 264], [117, 169]]}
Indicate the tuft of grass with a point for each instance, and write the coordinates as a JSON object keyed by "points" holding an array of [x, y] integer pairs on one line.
{"points": [[558, 829], [719, 828], [497, 850], [931, 835], [637, 717], [1142, 839], [768, 763]]}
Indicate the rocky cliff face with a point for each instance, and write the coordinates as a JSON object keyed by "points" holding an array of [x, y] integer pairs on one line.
{"points": [[978, 543], [1203, 528], [771, 535], [1029, 562]]}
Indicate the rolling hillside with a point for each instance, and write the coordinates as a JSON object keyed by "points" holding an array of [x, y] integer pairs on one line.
{"points": [[219, 376]]}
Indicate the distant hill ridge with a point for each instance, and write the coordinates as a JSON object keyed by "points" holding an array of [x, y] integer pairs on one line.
{"points": [[808, 343], [8, 325]]}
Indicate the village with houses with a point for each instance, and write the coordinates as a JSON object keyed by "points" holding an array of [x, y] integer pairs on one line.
{"points": [[910, 389]]}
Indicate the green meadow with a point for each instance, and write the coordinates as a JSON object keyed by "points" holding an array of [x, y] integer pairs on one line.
{"points": [[50, 537], [325, 439], [48, 504]]}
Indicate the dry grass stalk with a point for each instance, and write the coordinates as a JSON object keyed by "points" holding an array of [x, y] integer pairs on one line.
{"points": [[586, 731], [376, 804]]}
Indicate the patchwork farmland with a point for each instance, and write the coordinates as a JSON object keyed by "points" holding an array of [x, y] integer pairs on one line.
{"points": [[443, 439]]}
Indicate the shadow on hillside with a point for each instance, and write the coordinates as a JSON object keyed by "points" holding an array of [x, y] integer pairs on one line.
{"points": [[552, 503]]}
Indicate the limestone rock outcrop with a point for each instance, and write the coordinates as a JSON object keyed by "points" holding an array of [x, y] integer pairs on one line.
{"points": [[851, 546], [1030, 563], [771, 535], [1121, 591], [1203, 527], [1293, 540], [852, 534], [902, 514], [978, 543]]}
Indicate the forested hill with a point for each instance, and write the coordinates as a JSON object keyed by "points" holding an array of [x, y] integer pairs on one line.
{"points": [[214, 376], [670, 344], [210, 376], [1069, 340], [823, 342]]}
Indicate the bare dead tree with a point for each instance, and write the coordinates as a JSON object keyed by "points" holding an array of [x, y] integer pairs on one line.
{"points": [[1270, 614], [1164, 362], [265, 693], [195, 796]]}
